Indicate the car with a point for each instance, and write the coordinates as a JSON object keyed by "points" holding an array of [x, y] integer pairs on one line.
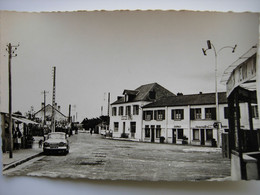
{"points": [[56, 142]]}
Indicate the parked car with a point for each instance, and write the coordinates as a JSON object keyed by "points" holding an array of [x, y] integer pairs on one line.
{"points": [[56, 142]]}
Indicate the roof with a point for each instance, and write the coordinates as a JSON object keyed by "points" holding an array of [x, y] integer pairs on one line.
{"points": [[193, 99], [42, 109], [24, 120], [142, 93]]}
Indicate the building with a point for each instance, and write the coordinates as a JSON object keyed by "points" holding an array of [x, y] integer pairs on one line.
{"points": [[126, 118], [181, 119], [185, 119], [242, 82], [45, 113]]}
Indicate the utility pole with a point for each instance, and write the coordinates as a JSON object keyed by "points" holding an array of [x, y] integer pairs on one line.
{"points": [[11, 54], [108, 103], [69, 119], [53, 100], [44, 110]]}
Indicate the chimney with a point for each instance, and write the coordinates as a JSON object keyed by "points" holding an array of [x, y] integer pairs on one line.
{"points": [[200, 93], [42, 104], [178, 94], [118, 97]]}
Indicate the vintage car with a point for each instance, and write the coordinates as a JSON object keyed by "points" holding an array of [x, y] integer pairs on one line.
{"points": [[56, 142]]}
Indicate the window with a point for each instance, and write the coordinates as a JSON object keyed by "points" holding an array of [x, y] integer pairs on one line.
{"points": [[133, 127], [114, 111], [255, 112], [158, 131], [196, 134], [136, 110], [128, 110], [121, 111], [209, 134], [148, 115], [147, 131], [210, 113], [180, 133], [177, 114], [116, 126], [195, 113], [159, 115]]}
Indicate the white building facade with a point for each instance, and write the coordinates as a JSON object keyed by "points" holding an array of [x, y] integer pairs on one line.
{"points": [[189, 119], [126, 117]]}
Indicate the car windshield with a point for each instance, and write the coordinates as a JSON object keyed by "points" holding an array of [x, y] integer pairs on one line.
{"points": [[56, 136]]}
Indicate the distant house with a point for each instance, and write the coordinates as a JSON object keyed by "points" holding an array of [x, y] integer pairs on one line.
{"points": [[126, 118], [60, 118]]}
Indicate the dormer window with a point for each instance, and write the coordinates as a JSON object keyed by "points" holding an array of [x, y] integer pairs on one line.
{"points": [[129, 95]]}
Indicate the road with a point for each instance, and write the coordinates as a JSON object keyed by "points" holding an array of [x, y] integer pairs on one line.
{"points": [[95, 157]]}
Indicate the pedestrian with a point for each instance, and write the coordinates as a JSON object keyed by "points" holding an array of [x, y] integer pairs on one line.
{"points": [[91, 131], [40, 143], [15, 140]]}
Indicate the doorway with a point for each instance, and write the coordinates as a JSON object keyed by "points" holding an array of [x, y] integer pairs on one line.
{"points": [[202, 137], [152, 133], [174, 136]]}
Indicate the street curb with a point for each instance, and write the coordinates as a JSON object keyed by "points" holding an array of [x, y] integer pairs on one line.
{"points": [[14, 164]]}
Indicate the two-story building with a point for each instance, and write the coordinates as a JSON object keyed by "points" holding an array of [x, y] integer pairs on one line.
{"points": [[126, 118]]}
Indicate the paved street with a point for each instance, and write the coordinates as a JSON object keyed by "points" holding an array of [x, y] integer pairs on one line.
{"points": [[94, 157]]}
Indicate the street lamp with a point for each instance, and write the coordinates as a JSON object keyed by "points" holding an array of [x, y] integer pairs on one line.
{"points": [[210, 46]]}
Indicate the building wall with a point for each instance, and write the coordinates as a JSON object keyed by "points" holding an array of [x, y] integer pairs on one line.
{"points": [[127, 120], [48, 114], [187, 126]]}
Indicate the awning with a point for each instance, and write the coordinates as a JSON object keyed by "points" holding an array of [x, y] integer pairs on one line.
{"points": [[24, 120]]}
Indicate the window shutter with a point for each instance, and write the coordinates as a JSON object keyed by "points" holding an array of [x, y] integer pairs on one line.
{"points": [[182, 114], [163, 113], [192, 112], [226, 112], [213, 113], [155, 114]]}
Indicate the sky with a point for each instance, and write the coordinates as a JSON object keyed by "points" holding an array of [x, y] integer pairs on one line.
{"points": [[97, 52]]}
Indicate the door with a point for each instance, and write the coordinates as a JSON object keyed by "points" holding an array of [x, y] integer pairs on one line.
{"points": [[123, 127], [152, 133], [202, 136], [133, 129], [174, 136]]}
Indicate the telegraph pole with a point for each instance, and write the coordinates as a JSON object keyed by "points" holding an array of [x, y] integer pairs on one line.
{"points": [[108, 103], [11, 54], [44, 110], [53, 100]]}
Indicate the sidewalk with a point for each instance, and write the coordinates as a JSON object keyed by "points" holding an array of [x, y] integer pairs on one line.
{"points": [[20, 156]]}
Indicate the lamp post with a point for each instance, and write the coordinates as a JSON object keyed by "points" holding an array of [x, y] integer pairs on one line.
{"points": [[216, 52]]}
